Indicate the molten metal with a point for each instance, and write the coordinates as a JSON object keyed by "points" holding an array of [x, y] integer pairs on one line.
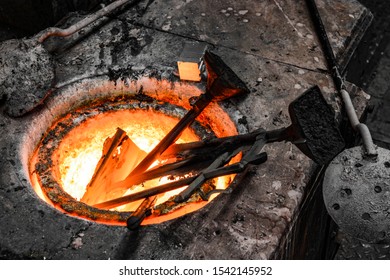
{"points": [[80, 151], [66, 160]]}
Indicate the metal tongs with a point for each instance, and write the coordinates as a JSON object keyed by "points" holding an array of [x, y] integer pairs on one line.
{"points": [[210, 157], [215, 169]]}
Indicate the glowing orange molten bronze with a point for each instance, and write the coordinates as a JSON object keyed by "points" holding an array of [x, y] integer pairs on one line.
{"points": [[80, 150]]}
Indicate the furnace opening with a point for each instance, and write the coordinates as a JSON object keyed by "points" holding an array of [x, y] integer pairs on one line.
{"points": [[67, 157]]}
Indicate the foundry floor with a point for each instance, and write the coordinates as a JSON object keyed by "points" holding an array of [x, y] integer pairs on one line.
{"points": [[251, 223]]}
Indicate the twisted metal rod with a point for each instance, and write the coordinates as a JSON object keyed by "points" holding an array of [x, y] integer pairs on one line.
{"points": [[59, 32]]}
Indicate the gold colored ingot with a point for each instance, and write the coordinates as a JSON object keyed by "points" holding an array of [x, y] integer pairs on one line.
{"points": [[189, 71]]}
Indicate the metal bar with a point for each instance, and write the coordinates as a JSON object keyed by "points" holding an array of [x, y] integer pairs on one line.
{"points": [[200, 147], [54, 31], [143, 194], [237, 167], [183, 166], [200, 154], [144, 210], [173, 135], [227, 170], [222, 83], [214, 170], [339, 81], [325, 43], [200, 179]]}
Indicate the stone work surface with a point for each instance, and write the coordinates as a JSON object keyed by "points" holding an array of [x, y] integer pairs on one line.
{"points": [[257, 24], [271, 46]]}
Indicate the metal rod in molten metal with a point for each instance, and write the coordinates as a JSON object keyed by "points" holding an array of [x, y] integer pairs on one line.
{"points": [[222, 83], [222, 171]]}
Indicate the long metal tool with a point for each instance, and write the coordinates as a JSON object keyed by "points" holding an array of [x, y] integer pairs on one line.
{"points": [[355, 187], [59, 32], [339, 81], [250, 156], [20, 57], [144, 210], [222, 83], [313, 130], [222, 171], [200, 179]]}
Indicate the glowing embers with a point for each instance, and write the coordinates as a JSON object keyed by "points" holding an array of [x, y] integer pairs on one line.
{"points": [[68, 155]]}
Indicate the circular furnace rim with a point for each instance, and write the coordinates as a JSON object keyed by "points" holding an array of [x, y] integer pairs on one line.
{"points": [[101, 87]]}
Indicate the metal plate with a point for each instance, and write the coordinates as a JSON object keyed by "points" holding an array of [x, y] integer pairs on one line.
{"points": [[357, 194], [314, 120]]}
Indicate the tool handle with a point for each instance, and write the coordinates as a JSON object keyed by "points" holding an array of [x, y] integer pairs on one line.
{"points": [[339, 81], [200, 179], [236, 167], [358, 126], [144, 210], [143, 194], [280, 134], [173, 135], [227, 170], [54, 31], [205, 146], [325, 43]]}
